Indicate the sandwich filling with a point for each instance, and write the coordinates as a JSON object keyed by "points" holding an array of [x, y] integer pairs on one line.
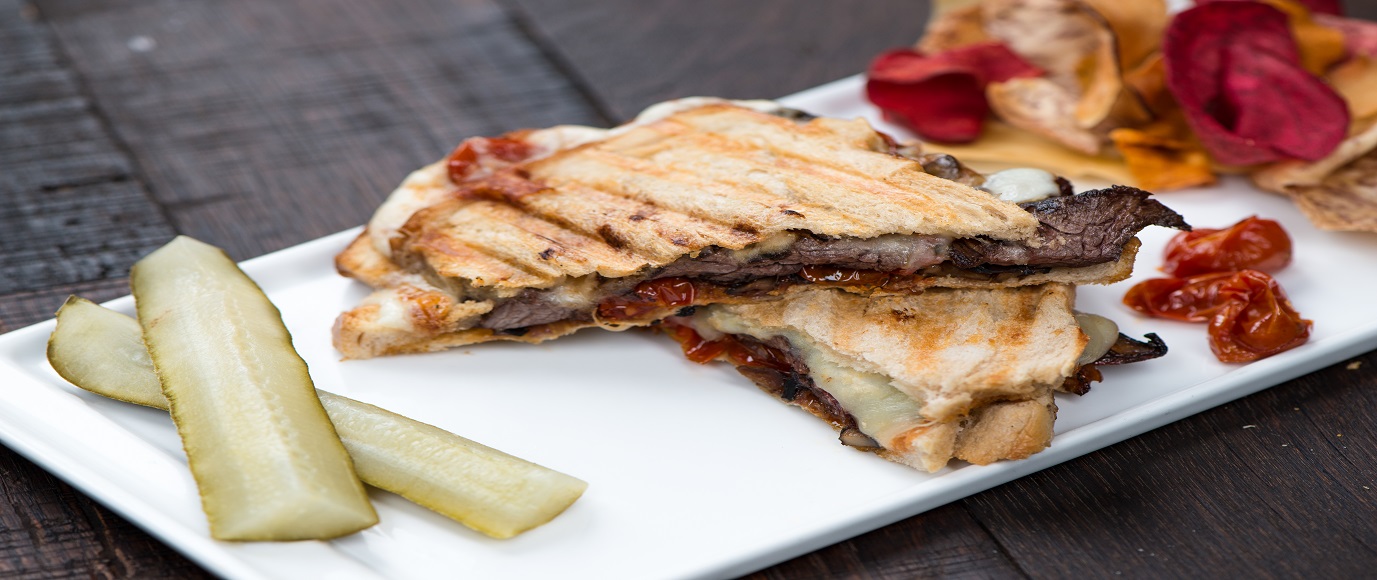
{"points": [[1080, 231]]}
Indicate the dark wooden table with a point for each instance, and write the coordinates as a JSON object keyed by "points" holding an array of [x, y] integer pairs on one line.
{"points": [[257, 125]]}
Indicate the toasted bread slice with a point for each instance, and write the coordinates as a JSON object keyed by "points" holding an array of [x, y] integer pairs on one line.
{"points": [[964, 373], [950, 350], [717, 175]]}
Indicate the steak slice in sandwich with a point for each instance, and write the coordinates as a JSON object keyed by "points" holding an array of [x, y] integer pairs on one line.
{"points": [[922, 378], [536, 234]]}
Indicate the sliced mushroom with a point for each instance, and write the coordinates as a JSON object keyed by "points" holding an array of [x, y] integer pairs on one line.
{"points": [[852, 437]]}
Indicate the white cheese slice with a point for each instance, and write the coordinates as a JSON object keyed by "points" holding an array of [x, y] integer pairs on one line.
{"points": [[882, 412], [1022, 185]]}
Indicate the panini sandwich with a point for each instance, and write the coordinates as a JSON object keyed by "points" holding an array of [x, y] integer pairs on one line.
{"points": [[964, 373], [536, 234]]}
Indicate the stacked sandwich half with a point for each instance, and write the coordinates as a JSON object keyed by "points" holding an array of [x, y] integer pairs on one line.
{"points": [[923, 310]]}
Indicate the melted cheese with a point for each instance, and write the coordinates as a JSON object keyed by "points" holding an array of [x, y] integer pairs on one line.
{"points": [[1022, 185], [881, 411], [1103, 333], [771, 245], [577, 293]]}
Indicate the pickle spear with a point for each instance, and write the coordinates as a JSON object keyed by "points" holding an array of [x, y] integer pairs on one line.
{"points": [[266, 459], [101, 351]]}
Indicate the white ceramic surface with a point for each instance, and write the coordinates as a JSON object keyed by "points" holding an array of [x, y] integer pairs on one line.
{"points": [[693, 472]]}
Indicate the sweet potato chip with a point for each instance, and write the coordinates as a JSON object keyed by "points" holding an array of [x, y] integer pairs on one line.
{"points": [[1137, 26], [1130, 32], [942, 96], [1284, 176], [1236, 71], [1320, 46], [951, 29], [1044, 107], [1149, 81], [1100, 80], [1346, 200], [1084, 46], [1162, 162], [1338, 192], [1002, 146], [1054, 35], [1356, 82]]}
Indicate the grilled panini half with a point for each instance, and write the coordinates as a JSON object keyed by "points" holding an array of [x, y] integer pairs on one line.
{"points": [[539, 233], [921, 378]]}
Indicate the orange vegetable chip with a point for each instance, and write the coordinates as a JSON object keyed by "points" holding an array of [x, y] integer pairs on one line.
{"points": [[1160, 162]]}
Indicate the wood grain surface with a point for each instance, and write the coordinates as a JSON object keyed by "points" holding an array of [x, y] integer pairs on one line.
{"points": [[257, 125]]}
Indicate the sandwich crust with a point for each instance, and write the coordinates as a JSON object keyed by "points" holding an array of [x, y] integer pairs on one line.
{"points": [[951, 350], [994, 432]]}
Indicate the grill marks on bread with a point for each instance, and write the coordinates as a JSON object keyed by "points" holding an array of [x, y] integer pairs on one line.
{"points": [[1004, 345], [713, 176]]}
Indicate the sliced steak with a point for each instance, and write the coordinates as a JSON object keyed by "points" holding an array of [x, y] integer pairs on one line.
{"points": [[903, 254], [717, 265], [526, 309], [1077, 230]]}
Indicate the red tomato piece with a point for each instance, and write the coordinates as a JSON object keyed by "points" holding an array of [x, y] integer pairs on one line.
{"points": [[651, 296], [1194, 299], [1256, 321], [1248, 313], [485, 151], [1254, 243], [699, 350], [695, 347], [668, 291]]}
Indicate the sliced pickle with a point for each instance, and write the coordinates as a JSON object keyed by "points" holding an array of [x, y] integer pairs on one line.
{"points": [[101, 351], [265, 456], [478, 486]]}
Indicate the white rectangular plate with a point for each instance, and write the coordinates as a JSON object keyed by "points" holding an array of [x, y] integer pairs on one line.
{"points": [[693, 472]]}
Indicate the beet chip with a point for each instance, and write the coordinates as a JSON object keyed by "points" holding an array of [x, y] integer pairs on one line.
{"points": [[1324, 7], [942, 96], [1236, 71]]}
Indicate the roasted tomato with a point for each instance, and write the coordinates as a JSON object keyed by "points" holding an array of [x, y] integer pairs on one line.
{"points": [[1248, 313], [491, 152], [1256, 321], [651, 296], [696, 348], [1194, 299], [1254, 243], [700, 350]]}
